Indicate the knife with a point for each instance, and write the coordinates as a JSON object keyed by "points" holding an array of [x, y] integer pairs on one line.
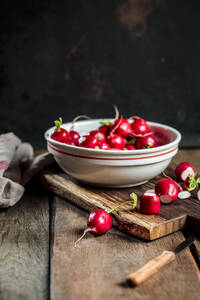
{"points": [[150, 268]]}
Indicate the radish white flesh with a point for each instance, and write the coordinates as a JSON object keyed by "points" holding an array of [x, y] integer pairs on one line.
{"points": [[184, 195], [166, 199], [189, 171], [198, 195], [150, 192], [183, 170]]}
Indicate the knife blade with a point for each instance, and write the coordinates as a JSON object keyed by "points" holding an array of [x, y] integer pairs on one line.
{"points": [[152, 267], [184, 244]]}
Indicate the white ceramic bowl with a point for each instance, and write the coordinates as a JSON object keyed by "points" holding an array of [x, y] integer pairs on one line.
{"points": [[110, 168]]}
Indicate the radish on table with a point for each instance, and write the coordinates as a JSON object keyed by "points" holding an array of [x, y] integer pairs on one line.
{"points": [[99, 220]]}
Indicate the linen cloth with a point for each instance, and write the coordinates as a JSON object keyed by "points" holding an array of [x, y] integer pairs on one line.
{"points": [[17, 166]]}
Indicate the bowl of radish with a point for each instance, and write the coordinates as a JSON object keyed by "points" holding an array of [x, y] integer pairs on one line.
{"points": [[114, 152]]}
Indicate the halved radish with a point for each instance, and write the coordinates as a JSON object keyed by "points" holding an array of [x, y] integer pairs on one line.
{"points": [[183, 170], [150, 203]]}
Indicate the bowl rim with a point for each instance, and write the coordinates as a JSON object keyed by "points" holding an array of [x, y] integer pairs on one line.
{"points": [[48, 132]]}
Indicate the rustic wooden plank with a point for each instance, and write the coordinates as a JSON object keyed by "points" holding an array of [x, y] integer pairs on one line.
{"points": [[97, 268], [195, 249], [190, 155], [24, 247], [170, 219]]}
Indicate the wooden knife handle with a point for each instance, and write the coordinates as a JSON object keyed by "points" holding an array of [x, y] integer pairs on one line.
{"points": [[150, 268]]}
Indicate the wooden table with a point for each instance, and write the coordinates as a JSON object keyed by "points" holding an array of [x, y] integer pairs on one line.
{"points": [[38, 259]]}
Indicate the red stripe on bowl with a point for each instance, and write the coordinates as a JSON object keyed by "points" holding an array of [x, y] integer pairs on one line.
{"points": [[106, 158]]}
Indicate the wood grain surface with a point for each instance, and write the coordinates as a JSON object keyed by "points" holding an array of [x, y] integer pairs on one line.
{"points": [[24, 248], [170, 219], [97, 268]]}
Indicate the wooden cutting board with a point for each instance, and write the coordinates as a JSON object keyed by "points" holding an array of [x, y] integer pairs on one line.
{"points": [[171, 218]]}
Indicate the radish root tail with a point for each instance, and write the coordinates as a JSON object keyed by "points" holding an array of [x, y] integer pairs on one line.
{"points": [[115, 128], [116, 112], [77, 118], [82, 236], [139, 134], [135, 117]]}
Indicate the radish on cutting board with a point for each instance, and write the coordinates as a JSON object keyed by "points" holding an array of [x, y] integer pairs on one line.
{"points": [[150, 203], [166, 187]]}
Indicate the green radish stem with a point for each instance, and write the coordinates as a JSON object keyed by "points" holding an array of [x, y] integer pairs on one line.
{"points": [[58, 123], [193, 182], [149, 145], [92, 228], [133, 201], [105, 122]]}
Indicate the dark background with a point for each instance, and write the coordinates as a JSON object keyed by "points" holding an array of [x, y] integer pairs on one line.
{"points": [[67, 57]]}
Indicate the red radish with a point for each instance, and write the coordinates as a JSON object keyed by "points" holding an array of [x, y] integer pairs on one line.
{"points": [[99, 220], [140, 126], [150, 203], [167, 187], [90, 142], [106, 127], [178, 185], [124, 129], [77, 118], [104, 146], [131, 147], [184, 195], [183, 170], [74, 136], [60, 134], [99, 135], [146, 142], [69, 143], [116, 141]]}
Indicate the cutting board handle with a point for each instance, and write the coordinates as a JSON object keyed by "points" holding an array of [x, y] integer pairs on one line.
{"points": [[150, 268]]}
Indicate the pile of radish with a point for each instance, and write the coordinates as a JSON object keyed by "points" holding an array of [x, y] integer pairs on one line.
{"points": [[129, 134], [166, 191], [121, 134]]}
